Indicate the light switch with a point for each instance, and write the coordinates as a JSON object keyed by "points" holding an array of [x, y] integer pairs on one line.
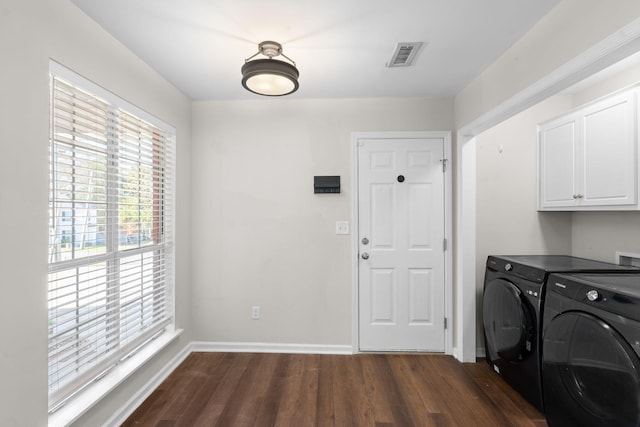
{"points": [[342, 227]]}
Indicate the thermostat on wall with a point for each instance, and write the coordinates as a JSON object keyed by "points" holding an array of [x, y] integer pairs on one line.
{"points": [[326, 184]]}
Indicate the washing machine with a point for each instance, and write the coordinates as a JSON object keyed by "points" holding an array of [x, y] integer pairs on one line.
{"points": [[514, 290], [591, 350]]}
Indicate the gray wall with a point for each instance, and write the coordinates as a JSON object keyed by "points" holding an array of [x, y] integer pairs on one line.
{"points": [[506, 218], [31, 32], [261, 236]]}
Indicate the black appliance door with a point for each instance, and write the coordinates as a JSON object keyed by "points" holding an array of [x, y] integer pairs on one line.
{"points": [[508, 322], [590, 374]]}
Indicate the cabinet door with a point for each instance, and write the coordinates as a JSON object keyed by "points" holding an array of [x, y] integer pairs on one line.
{"points": [[558, 174], [608, 152]]}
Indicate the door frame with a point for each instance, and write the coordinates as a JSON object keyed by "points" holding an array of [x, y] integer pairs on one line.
{"points": [[448, 229]]}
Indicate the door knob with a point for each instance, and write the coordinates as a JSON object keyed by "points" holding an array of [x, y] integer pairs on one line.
{"points": [[365, 255]]}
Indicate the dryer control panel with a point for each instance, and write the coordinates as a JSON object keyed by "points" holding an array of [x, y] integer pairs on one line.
{"points": [[519, 270]]}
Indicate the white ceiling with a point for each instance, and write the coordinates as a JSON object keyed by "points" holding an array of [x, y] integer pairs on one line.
{"points": [[340, 46]]}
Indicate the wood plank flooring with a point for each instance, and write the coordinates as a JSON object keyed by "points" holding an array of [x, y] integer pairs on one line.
{"points": [[297, 390]]}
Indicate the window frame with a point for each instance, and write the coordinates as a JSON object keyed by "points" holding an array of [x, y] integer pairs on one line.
{"points": [[123, 361]]}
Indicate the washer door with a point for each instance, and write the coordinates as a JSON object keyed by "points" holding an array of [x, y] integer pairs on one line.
{"points": [[590, 374], [508, 322]]}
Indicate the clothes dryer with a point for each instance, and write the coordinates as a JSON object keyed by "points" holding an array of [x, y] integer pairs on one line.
{"points": [[514, 290], [591, 350]]}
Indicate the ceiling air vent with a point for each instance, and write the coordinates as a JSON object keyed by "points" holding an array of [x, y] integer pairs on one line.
{"points": [[404, 54]]}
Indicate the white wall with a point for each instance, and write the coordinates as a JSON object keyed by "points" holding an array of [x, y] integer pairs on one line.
{"points": [[598, 235], [31, 32], [507, 221], [260, 234]]}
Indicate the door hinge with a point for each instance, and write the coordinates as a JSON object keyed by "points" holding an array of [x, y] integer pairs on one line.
{"points": [[444, 244], [445, 323], [444, 165]]}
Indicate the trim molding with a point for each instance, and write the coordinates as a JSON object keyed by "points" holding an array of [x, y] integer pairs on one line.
{"points": [[92, 395], [136, 400], [480, 353], [257, 347], [617, 46]]}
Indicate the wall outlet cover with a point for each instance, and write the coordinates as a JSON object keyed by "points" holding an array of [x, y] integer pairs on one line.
{"points": [[255, 312], [342, 227]]}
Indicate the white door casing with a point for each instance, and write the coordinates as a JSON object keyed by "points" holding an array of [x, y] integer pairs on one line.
{"points": [[403, 286]]}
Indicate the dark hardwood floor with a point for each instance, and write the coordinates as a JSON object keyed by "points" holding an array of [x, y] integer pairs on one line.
{"points": [[381, 390]]}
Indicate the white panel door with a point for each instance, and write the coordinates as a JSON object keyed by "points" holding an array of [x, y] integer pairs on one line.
{"points": [[401, 244]]}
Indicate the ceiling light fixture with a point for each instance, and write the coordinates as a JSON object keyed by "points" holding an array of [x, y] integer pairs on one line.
{"points": [[270, 77]]}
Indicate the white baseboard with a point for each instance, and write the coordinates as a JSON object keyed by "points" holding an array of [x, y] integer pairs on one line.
{"points": [[253, 347], [136, 400], [455, 353], [480, 352]]}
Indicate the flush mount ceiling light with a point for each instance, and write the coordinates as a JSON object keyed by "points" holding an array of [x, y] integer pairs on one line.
{"points": [[270, 77]]}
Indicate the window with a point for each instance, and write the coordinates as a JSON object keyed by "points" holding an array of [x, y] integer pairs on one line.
{"points": [[110, 232]]}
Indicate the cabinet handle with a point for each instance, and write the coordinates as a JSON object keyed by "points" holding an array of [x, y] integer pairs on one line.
{"points": [[578, 196]]}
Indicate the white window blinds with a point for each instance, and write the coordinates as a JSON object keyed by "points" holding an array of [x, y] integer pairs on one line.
{"points": [[110, 234]]}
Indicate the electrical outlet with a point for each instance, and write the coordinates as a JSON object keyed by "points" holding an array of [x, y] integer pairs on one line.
{"points": [[342, 227], [255, 312]]}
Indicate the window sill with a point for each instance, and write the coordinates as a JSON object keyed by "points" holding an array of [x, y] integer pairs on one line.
{"points": [[86, 399]]}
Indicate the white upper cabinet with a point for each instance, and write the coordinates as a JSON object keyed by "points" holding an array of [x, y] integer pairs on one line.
{"points": [[588, 158]]}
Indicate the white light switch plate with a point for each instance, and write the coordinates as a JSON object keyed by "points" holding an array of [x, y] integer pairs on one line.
{"points": [[342, 227]]}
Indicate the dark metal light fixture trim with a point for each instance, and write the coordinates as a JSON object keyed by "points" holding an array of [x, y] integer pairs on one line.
{"points": [[270, 77]]}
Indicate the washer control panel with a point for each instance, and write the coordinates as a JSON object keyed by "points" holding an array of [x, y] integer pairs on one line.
{"points": [[533, 293]]}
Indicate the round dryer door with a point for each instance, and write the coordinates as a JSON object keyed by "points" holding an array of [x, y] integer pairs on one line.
{"points": [[507, 320], [590, 374]]}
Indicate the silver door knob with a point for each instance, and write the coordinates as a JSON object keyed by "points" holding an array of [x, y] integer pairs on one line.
{"points": [[365, 255]]}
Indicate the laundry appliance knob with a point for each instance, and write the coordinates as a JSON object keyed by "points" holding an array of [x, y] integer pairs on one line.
{"points": [[593, 295]]}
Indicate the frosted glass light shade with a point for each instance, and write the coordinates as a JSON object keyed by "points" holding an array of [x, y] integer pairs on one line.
{"points": [[270, 77]]}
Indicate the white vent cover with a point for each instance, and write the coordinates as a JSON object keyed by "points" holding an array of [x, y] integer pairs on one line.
{"points": [[628, 258], [404, 54]]}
